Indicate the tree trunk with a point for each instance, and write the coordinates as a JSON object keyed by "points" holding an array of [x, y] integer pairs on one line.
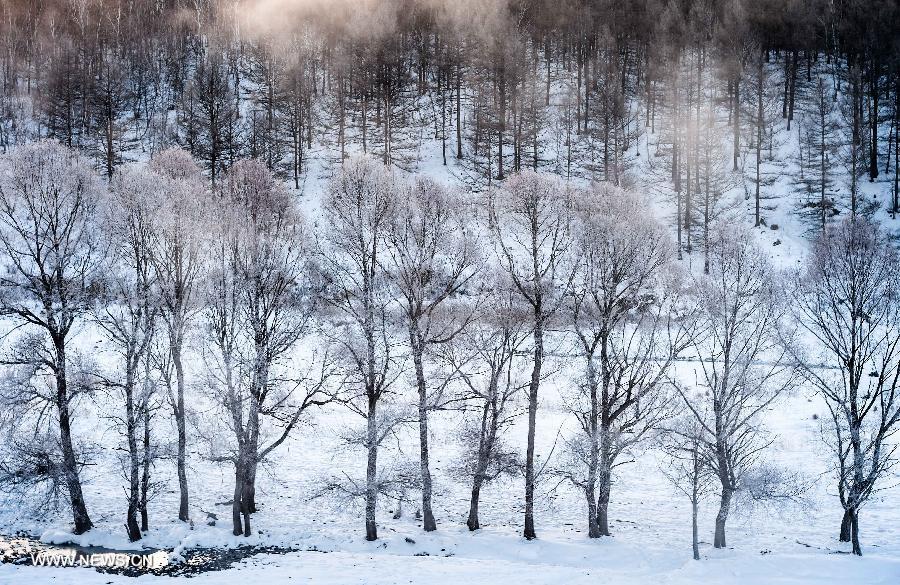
{"points": [[593, 523], [371, 472], [73, 483], [443, 91], [237, 523], [387, 129], [145, 475], [822, 170], [695, 543], [459, 151], [845, 526], [873, 118], [341, 121], [593, 459], [533, 387], [792, 90], [131, 422], [247, 490], [854, 532], [364, 122], [736, 130], [501, 125], [603, 503], [180, 422], [604, 476], [485, 447], [722, 517], [759, 129], [472, 520], [416, 343]]}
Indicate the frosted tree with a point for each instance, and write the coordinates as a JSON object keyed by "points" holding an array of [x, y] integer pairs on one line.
{"points": [[53, 258], [431, 256], [358, 209], [487, 355], [128, 314], [742, 363], [687, 469], [847, 297], [258, 308], [531, 221], [618, 311], [178, 230]]}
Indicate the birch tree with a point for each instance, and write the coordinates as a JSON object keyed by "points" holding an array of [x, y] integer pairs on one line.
{"points": [[687, 470], [128, 313], [177, 259], [619, 312], [259, 306], [359, 206], [488, 354]]}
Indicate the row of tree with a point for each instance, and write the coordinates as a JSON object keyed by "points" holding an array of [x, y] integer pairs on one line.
{"points": [[464, 292]]}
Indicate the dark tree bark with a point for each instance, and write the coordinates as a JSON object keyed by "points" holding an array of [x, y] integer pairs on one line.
{"points": [[181, 426], [73, 484], [722, 517], [533, 387]]}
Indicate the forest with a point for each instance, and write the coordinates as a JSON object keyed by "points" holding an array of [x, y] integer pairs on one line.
{"points": [[430, 251]]}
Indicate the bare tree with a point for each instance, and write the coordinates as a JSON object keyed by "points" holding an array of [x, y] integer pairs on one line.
{"points": [[741, 360], [620, 313], [431, 257], [258, 308], [686, 468], [177, 259], [487, 355], [818, 136], [847, 297], [53, 257], [530, 217], [127, 315], [358, 209]]}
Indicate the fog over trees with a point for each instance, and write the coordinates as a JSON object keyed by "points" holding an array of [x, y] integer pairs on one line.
{"points": [[271, 211]]}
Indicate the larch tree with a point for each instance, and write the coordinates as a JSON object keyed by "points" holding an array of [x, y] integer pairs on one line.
{"points": [[818, 152]]}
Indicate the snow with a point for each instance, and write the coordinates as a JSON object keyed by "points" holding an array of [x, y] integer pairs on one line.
{"points": [[600, 562]]}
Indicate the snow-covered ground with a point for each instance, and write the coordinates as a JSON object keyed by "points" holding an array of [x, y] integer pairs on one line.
{"points": [[651, 524]]}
